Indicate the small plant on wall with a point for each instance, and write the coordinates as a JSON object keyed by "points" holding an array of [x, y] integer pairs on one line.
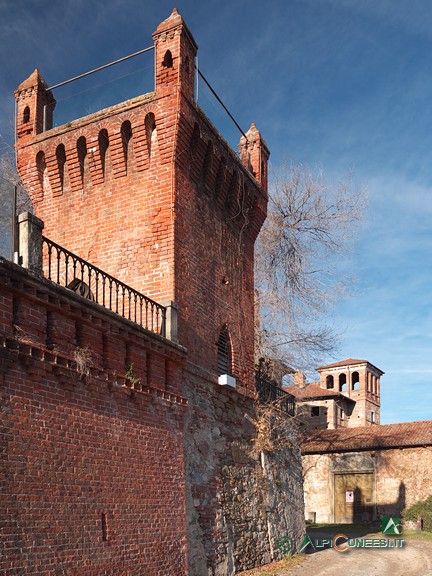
{"points": [[83, 360], [131, 377]]}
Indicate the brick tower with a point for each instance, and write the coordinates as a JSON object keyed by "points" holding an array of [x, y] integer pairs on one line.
{"points": [[150, 192], [359, 380]]}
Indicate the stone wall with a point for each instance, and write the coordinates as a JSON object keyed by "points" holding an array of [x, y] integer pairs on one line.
{"points": [[402, 476], [239, 501]]}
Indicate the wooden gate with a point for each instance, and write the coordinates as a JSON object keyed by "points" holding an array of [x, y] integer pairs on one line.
{"points": [[354, 498]]}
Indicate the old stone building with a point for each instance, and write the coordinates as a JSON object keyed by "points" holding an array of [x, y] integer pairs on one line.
{"points": [[363, 473], [126, 360], [356, 470], [347, 395]]}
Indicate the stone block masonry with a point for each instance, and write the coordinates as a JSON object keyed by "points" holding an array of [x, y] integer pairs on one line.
{"points": [[239, 501]]}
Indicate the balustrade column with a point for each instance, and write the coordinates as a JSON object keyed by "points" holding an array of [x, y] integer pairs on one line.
{"points": [[30, 242]]}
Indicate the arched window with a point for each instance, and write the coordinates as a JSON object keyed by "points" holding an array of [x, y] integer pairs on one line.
{"points": [[26, 115], [82, 158], [207, 162], [342, 382], [329, 381], [126, 135], [103, 141], [41, 169], [196, 135], [151, 134], [61, 162], [355, 381], [220, 176], [224, 362], [168, 60]]}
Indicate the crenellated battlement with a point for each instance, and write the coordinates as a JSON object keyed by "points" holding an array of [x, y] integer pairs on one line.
{"points": [[150, 192]]}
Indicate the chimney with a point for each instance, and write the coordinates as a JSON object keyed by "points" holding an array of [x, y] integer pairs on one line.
{"points": [[299, 379]]}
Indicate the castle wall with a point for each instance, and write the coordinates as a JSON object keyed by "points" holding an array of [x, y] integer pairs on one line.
{"points": [[111, 443], [150, 192], [240, 500], [91, 451]]}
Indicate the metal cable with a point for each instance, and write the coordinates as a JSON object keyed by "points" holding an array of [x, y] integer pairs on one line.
{"points": [[100, 68], [221, 103]]}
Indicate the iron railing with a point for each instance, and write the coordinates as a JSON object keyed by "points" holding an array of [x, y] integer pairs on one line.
{"points": [[69, 270], [269, 392]]}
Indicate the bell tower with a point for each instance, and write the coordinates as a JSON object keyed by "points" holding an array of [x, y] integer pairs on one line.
{"points": [[359, 380]]}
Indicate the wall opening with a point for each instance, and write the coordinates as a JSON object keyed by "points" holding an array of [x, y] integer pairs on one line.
{"points": [[355, 381], [61, 163], [103, 142], [329, 382], [150, 128], [41, 169], [342, 382], [104, 526], [168, 60], [82, 158], [224, 356], [26, 115], [126, 136]]}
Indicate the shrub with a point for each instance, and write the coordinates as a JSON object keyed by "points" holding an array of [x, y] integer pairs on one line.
{"points": [[423, 509]]}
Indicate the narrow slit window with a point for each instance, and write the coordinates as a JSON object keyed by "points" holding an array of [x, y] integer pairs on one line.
{"points": [[26, 115], [103, 141], [82, 158], [61, 162], [126, 135], [41, 169], [104, 526], [150, 128], [224, 352]]}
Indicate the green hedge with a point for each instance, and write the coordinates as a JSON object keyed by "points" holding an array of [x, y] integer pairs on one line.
{"points": [[423, 509]]}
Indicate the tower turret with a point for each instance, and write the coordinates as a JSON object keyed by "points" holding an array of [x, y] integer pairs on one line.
{"points": [[35, 106]]}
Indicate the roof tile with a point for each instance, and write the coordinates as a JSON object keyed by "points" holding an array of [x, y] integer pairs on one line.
{"points": [[369, 437]]}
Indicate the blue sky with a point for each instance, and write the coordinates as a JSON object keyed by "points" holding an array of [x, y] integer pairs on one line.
{"points": [[342, 85]]}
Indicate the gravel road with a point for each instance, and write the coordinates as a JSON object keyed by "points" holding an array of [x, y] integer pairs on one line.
{"points": [[414, 559]]}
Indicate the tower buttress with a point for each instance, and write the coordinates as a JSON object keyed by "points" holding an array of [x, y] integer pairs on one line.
{"points": [[254, 154], [35, 106], [175, 52]]}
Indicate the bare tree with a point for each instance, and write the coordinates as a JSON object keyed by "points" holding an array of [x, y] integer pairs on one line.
{"points": [[8, 181], [298, 255]]}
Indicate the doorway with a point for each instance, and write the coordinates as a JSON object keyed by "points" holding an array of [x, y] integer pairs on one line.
{"points": [[354, 501]]}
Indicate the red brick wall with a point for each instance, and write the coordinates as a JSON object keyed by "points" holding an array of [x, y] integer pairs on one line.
{"points": [[79, 444], [177, 220]]}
